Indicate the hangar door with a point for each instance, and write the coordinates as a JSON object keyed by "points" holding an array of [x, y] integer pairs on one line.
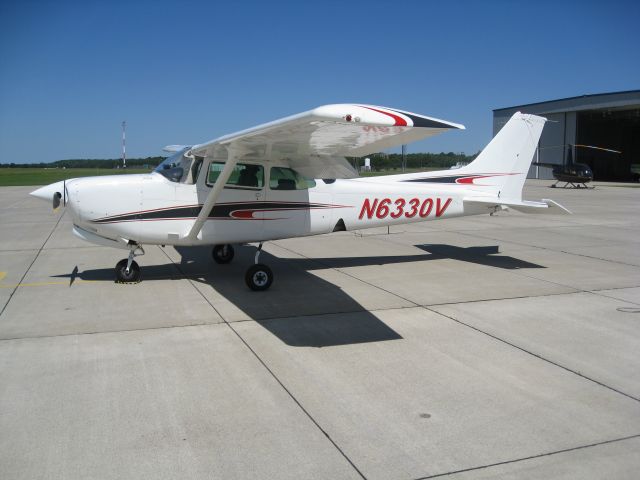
{"points": [[614, 129]]}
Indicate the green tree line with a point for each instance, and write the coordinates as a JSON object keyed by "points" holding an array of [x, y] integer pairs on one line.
{"points": [[89, 163], [393, 161]]}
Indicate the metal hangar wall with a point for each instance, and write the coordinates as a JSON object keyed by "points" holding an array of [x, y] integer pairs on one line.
{"points": [[606, 120]]}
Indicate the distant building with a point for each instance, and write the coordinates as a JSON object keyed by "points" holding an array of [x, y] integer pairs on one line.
{"points": [[608, 120]]}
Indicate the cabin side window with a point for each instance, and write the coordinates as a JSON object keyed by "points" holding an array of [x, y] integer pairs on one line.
{"points": [[282, 178], [244, 175]]}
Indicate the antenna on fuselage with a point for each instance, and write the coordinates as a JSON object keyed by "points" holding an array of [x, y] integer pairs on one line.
{"points": [[404, 158], [124, 144]]}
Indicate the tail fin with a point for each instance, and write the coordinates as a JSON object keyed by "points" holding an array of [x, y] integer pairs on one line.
{"points": [[508, 156]]}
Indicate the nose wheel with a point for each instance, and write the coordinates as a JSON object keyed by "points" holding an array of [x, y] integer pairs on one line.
{"points": [[127, 269], [127, 275], [259, 277]]}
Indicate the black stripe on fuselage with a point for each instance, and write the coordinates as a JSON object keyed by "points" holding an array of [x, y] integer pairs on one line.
{"points": [[220, 211], [449, 179]]}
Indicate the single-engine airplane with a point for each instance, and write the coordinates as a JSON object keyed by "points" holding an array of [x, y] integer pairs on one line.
{"points": [[290, 178]]}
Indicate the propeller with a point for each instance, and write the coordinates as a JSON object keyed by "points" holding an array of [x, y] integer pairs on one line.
{"points": [[60, 198], [56, 193]]}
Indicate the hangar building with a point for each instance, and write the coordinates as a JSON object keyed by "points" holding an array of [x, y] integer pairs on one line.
{"points": [[607, 120]]}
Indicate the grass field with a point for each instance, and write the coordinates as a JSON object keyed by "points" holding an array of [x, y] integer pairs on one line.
{"points": [[13, 177]]}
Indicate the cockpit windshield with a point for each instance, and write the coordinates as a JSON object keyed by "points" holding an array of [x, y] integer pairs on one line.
{"points": [[178, 167]]}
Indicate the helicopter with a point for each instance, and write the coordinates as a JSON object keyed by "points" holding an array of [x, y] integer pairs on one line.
{"points": [[575, 175]]}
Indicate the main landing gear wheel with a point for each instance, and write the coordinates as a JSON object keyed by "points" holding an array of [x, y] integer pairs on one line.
{"points": [[222, 253], [130, 275], [259, 277]]}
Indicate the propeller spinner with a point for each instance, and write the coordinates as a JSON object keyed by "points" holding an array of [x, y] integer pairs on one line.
{"points": [[56, 193]]}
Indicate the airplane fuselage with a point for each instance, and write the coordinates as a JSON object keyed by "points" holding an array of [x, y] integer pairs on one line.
{"points": [[150, 209]]}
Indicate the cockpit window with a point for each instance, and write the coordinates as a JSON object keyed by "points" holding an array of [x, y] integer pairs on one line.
{"points": [[244, 175], [282, 178], [177, 167], [196, 167]]}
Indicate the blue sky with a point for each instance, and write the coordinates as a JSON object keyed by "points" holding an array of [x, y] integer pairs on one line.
{"points": [[186, 72]]}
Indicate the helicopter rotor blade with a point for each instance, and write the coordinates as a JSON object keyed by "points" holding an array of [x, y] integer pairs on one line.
{"points": [[581, 146], [599, 148]]}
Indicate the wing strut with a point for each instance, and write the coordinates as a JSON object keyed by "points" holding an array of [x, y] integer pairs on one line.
{"points": [[234, 153]]}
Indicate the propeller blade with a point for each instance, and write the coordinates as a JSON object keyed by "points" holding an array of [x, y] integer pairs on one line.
{"points": [[57, 196]]}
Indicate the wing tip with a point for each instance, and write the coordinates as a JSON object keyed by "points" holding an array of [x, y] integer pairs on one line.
{"points": [[346, 111]]}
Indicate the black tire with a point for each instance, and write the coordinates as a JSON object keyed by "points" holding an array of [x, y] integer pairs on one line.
{"points": [[122, 276], [222, 253], [259, 277]]}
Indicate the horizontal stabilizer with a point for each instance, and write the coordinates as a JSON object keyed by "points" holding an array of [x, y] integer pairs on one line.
{"points": [[524, 206]]}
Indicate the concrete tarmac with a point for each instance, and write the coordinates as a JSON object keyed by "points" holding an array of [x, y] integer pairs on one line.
{"points": [[474, 348]]}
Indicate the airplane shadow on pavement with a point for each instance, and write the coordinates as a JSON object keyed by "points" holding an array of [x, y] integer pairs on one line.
{"points": [[486, 256], [301, 308], [290, 309]]}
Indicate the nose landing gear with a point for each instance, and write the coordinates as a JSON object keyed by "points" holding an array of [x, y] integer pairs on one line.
{"points": [[127, 269]]}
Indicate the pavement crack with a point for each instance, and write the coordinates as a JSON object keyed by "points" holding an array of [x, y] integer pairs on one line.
{"points": [[522, 349], [343, 272], [100, 332], [600, 294], [31, 264], [540, 295], [540, 455], [274, 376], [538, 247]]}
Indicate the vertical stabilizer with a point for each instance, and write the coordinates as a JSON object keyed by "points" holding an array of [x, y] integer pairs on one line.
{"points": [[508, 156]]}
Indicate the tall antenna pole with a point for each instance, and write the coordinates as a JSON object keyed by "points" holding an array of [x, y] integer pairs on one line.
{"points": [[124, 145]]}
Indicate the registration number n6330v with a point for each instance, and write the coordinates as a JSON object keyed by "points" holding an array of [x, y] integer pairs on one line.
{"points": [[386, 207]]}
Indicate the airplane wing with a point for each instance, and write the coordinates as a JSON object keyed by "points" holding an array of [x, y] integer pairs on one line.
{"points": [[316, 142]]}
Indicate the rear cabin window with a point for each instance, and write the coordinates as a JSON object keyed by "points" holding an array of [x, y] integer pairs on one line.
{"points": [[244, 175], [282, 178]]}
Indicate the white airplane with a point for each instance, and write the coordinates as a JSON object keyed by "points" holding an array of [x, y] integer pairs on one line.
{"points": [[290, 178]]}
